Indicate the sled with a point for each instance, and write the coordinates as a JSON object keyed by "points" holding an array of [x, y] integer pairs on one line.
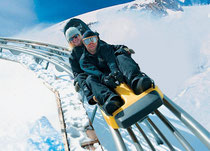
{"points": [[135, 107]]}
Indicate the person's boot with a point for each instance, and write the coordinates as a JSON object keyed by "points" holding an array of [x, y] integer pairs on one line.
{"points": [[141, 84], [89, 95], [113, 103], [92, 100]]}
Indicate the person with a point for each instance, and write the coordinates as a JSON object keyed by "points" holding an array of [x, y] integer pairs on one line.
{"points": [[73, 37], [107, 69]]}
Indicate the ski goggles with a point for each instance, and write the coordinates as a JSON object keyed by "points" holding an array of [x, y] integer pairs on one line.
{"points": [[88, 40], [75, 36]]}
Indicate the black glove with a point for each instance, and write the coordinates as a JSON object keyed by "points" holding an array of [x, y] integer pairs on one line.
{"points": [[118, 76], [110, 81], [125, 50], [130, 51]]}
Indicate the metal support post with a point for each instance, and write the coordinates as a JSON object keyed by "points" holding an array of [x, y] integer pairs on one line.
{"points": [[135, 140], [145, 137], [161, 134], [157, 138]]}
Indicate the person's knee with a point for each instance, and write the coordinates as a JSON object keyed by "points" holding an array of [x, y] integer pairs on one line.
{"points": [[90, 79], [82, 76]]}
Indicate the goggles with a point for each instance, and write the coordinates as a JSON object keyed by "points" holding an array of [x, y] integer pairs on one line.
{"points": [[89, 39], [75, 36]]}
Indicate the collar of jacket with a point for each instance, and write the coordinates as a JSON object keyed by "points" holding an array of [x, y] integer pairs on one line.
{"points": [[78, 49]]}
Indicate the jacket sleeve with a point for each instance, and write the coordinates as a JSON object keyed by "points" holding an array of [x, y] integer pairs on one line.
{"points": [[90, 68], [117, 47], [108, 53], [75, 65]]}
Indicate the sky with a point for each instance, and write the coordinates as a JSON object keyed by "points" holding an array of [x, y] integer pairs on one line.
{"points": [[20, 15], [16, 15], [61, 10]]}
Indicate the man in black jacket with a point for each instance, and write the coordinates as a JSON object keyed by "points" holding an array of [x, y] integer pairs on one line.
{"points": [[107, 69], [73, 37]]}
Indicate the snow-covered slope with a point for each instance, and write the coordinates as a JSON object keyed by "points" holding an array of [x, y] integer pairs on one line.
{"points": [[173, 50], [29, 118]]}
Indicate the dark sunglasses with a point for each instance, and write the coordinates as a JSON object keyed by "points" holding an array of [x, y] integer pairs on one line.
{"points": [[75, 36], [88, 40]]}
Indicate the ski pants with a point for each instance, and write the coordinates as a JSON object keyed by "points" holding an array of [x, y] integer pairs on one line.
{"points": [[129, 69], [81, 79], [100, 91]]}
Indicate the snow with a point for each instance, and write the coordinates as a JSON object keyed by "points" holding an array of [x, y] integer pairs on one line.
{"points": [[43, 134], [24, 102], [174, 51]]}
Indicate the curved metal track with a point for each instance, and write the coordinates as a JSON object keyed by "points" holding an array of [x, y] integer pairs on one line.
{"points": [[59, 57], [49, 53]]}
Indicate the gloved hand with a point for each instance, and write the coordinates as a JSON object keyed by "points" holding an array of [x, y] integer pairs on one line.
{"points": [[118, 76], [130, 51], [110, 81]]}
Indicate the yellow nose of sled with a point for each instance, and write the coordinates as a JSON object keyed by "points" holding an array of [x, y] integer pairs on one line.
{"points": [[135, 108]]}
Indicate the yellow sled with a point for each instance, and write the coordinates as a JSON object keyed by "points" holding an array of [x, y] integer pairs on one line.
{"points": [[135, 108]]}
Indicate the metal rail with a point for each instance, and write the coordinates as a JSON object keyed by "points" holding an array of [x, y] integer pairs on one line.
{"points": [[174, 131], [195, 127], [145, 137], [42, 56], [26, 50], [119, 143], [43, 52], [157, 138], [161, 134], [54, 50], [135, 140], [30, 42]]}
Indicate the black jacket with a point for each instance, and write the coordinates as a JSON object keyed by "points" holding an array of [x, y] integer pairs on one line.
{"points": [[76, 54], [74, 60], [101, 63]]}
